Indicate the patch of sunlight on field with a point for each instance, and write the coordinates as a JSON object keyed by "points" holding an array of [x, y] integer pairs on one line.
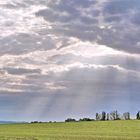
{"points": [[95, 130]]}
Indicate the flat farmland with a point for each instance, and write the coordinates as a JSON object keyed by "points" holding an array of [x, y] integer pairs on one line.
{"points": [[94, 130]]}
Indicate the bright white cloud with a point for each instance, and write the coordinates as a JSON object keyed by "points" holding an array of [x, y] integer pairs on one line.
{"points": [[19, 19]]}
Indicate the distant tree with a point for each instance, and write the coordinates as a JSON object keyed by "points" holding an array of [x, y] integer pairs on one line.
{"points": [[138, 115], [114, 115], [126, 116], [35, 122], [98, 117], [103, 118], [70, 120], [86, 119], [117, 115], [107, 116]]}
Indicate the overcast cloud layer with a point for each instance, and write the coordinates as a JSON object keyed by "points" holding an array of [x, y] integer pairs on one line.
{"points": [[68, 58]]}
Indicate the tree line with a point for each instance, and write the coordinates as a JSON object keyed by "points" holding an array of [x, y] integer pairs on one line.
{"points": [[103, 116]]}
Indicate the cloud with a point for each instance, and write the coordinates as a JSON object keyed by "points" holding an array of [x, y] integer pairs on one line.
{"points": [[35, 69], [85, 23], [21, 71], [121, 6], [18, 17], [24, 43], [65, 11]]}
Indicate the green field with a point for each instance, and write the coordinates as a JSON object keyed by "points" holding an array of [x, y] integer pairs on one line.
{"points": [[95, 130]]}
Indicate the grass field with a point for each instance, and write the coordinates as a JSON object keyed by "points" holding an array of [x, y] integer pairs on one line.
{"points": [[96, 130]]}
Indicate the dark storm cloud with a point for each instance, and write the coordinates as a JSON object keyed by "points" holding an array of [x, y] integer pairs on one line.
{"points": [[121, 6], [120, 19], [25, 43], [135, 19], [68, 11], [123, 14], [90, 78], [21, 71], [14, 5]]}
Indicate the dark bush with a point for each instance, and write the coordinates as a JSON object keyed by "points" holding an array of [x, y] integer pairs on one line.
{"points": [[86, 119], [70, 120]]}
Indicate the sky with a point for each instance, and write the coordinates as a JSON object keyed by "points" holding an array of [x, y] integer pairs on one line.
{"points": [[68, 58]]}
